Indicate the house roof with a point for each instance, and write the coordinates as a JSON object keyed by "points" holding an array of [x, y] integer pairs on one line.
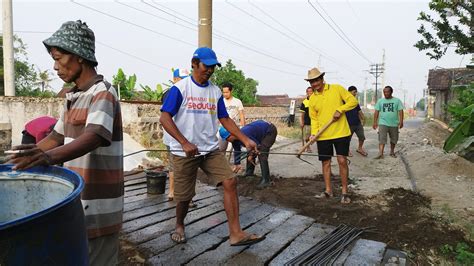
{"points": [[443, 79], [281, 99]]}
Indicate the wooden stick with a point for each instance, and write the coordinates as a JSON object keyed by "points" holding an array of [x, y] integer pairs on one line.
{"points": [[316, 137]]}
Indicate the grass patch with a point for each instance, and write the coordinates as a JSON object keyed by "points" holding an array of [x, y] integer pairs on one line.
{"points": [[293, 132], [462, 253]]}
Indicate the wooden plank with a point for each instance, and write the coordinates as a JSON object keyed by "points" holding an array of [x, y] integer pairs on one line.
{"points": [[140, 180], [196, 228], [201, 191], [135, 192], [128, 177], [246, 219], [135, 187], [366, 252], [167, 212], [197, 243], [302, 243], [225, 251], [276, 240], [157, 229]]}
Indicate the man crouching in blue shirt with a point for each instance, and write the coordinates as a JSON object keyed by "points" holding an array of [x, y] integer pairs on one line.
{"points": [[264, 134], [190, 115]]}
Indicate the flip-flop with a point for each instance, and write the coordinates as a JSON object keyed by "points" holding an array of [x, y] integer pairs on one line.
{"points": [[393, 155], [378, 157], [345, 199], [324, 195], [249, 240], [192, 204], [363, 153], [177, 237]]}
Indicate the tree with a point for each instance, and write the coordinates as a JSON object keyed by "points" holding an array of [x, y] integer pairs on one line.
{"points": [[44, 78], [125, 84], [244, 88], [25, 75], [446, 33]]}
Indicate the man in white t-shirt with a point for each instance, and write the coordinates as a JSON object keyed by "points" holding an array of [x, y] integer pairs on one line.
{"points": [[235, 109], [197, 102], [234, 106]]}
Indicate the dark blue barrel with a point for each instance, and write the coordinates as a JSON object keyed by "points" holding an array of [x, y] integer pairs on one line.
{"points": [[41, 217]]}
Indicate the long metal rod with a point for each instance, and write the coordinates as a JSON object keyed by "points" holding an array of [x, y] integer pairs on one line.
{"points": [[330, 248], [262, 152]]}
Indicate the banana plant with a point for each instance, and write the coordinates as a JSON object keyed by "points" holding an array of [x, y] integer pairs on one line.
{"points": [[152, 95]]}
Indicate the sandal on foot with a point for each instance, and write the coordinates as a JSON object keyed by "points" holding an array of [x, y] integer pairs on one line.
{"points": [[363, 153], [177, 237], [249, 240], [192, 204], [324, 194], [345, 199], [393, 155], [380, 156]]}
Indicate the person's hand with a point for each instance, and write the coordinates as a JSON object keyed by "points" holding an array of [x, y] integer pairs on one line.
{"points": [[400, 125], [312, 138], [29, 155], [190, 149], [251, 146], [363, 122], [336, 115], [236, 168], [375, 125], [302, 125]]}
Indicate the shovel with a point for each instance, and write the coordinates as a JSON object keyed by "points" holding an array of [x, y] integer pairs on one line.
{"points": [[298, 155]]}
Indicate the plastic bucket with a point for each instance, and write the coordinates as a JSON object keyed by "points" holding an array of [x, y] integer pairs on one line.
{"points": [[41, 217], [156, 182]]}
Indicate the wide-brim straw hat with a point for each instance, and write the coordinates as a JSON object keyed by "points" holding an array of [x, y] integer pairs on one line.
{"points": [[314, 73]]}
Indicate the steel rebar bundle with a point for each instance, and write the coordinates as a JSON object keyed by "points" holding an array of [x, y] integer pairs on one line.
{"points": [[328, 249]]}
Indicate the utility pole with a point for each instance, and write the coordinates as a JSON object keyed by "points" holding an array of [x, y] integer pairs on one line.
{"points": [[365, 92], [376, 70], [8, 60], [383, 66], [205, 23]]}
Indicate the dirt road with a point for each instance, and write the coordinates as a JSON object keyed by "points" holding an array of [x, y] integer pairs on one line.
{"points": [[384, 194]]}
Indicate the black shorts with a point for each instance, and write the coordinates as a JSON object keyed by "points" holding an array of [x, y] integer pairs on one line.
{"points": [[325, 147]]}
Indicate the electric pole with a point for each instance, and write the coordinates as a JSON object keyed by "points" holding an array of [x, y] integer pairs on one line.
{"points": [[383, 66], [205, 23], [8, 60], [376, 70], [365, 93]]}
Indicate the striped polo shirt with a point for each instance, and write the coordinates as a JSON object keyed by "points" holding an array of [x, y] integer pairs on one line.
{"points": [[95, 108]]}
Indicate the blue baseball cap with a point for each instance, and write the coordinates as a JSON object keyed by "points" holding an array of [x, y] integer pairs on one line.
{"points": [[207, 56], [180, 73], [224, 133]]}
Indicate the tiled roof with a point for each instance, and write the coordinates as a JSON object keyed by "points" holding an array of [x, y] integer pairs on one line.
{"points": [[442, 79]]}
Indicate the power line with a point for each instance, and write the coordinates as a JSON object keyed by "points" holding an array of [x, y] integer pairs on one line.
{"points": [[270, 26], [105, 45], [151, 14], [321, 53], [134, 24], [219, 36], [343, 33], [342, 38]]}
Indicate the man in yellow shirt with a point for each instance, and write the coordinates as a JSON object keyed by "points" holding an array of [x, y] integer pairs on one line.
{"points": [[328, 103]]}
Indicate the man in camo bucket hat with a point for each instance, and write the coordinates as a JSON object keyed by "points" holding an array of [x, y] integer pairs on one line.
{"points": [[76, 38], [87, 139]]}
